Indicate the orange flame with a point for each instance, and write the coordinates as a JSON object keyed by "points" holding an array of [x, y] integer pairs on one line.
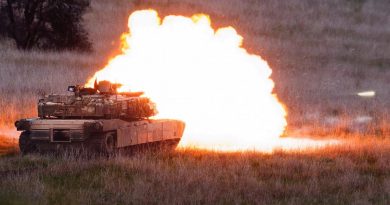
{"points": [[202, 76]]}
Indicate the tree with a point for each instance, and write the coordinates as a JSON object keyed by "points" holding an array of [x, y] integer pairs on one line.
{"points": [[45, 24]]}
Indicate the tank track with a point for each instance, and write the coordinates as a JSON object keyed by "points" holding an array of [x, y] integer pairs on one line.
{"points": [[103, 144]]}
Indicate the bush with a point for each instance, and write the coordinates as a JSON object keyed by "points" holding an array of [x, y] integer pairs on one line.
{"points": [[45, 24]]}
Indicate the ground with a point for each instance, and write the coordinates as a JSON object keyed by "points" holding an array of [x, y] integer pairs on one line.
{"points": [[357, 173], [321, 52]]}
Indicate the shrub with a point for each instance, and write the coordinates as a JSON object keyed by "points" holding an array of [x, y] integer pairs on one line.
{"points": [[45, 24]]}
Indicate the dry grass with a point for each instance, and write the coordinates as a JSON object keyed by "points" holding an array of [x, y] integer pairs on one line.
{"points": [[321, 52], [354, 174], [8, 146]]}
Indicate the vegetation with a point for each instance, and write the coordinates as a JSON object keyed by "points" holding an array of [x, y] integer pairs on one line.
{"points": [[322, 53], [8, 145], [354, 174], [44, 24]]}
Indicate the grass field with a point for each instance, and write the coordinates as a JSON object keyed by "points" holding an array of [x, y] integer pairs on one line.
{"points": [[357, 173], [322, 54]]}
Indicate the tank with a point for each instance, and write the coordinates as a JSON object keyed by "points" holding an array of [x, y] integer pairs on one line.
{"points": [[97, 119]]}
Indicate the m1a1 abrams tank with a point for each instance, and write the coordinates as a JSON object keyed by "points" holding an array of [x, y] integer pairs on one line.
{"points": [[98, 119]]}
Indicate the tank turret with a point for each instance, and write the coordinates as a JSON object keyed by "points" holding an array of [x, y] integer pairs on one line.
{"points": [[103, 101]]}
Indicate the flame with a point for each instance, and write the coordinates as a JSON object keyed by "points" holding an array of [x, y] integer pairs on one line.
{"points": [[203, 77]]}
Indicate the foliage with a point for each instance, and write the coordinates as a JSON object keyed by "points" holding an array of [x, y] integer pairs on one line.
{"points": [[45, 24]]}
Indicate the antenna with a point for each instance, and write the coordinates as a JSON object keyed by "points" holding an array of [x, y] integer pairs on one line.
{"points": [[95, 85]]}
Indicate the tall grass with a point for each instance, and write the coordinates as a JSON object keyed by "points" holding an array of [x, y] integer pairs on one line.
{"points": [[322, 53], [353, 174]]}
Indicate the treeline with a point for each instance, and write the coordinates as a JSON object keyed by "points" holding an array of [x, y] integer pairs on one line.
{"points": [[45, 24]]}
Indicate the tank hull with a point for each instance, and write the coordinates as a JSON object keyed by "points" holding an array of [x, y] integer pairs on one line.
{"points": [[105, 136]]}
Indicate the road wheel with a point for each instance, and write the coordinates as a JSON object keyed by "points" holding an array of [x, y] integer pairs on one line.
{"points": [[108, 145], [25, 144]]}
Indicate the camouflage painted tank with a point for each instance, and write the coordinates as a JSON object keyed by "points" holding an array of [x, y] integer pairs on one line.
{"points": [[99, 119]]}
